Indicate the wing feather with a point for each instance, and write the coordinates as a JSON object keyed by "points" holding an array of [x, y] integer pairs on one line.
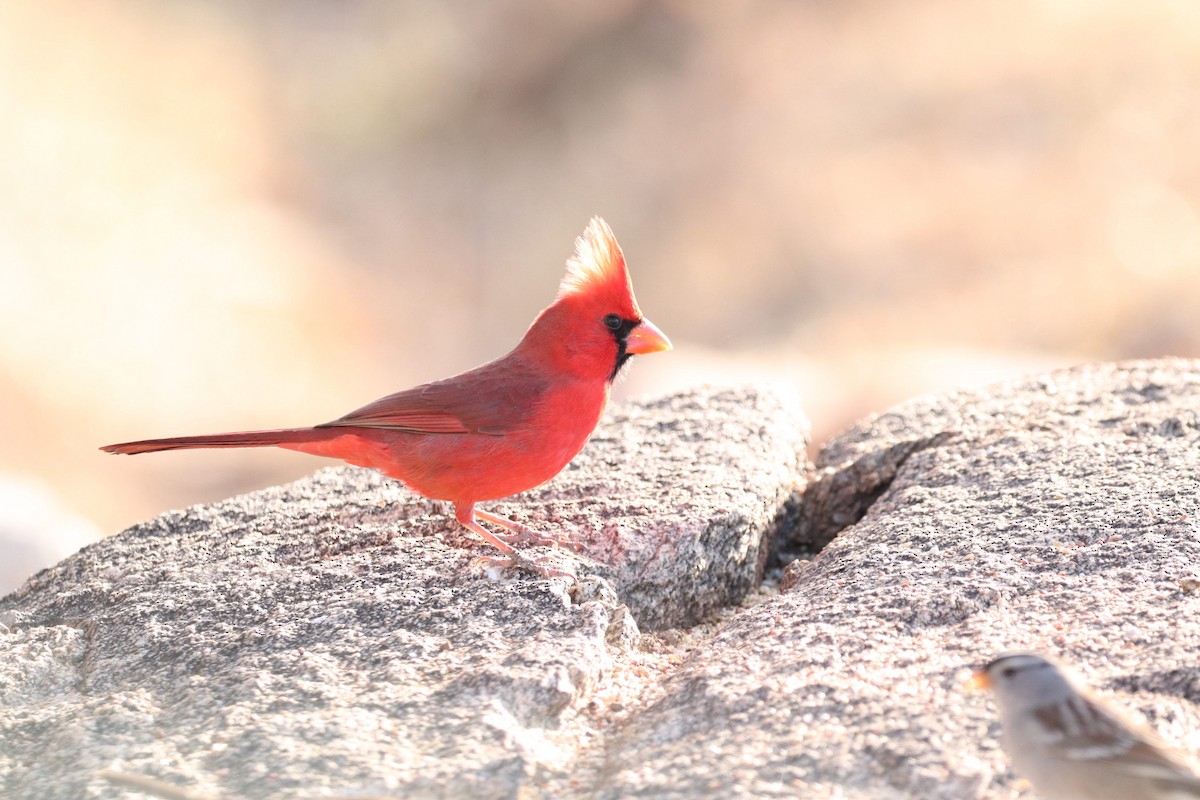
{"points": [[492, 400], [1086, 732]]}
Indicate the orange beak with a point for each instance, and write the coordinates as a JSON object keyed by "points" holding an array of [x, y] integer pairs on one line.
{"points": [[645, 338], [979, 681]]}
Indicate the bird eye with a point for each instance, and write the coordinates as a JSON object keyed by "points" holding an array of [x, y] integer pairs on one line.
{"points": [[1008, 672], [613, 322]]}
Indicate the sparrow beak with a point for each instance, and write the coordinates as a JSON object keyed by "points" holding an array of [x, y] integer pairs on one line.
{"points": [[645, 338], [979, 681]]}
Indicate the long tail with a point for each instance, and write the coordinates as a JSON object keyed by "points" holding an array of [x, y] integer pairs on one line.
{"points": [[277, 438]]}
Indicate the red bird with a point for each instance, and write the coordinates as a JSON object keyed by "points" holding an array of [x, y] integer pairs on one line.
{"points": [[498, 429]]}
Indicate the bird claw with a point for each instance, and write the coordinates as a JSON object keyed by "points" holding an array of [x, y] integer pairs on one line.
{"points": [[520, 561], [518, 534]]}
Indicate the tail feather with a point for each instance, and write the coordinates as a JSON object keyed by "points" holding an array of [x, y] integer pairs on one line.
{"points": [[281, 437]]}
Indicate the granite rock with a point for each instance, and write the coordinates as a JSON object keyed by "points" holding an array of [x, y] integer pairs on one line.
{"points": [[329, 638]]}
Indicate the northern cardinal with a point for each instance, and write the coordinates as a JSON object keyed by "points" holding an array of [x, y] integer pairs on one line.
{"points": [[498, 429]]}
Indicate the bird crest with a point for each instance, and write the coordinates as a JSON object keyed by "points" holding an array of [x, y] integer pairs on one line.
{"points": [[598, 266]]}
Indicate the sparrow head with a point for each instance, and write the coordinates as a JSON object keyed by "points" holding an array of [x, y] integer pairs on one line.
{"points": [[595, 324], [1024, 681]]}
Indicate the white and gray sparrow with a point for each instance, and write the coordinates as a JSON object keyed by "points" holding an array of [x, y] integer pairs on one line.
{"points": [[1069, 745]]}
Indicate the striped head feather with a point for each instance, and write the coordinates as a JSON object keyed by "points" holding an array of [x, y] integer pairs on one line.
{"points": [[597, 271]]}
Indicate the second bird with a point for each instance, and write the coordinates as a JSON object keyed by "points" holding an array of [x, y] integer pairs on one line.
{"points": [[1072, 746]]}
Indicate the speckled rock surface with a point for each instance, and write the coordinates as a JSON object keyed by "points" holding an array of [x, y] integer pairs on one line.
{"points": [[330, 638], [1061, 513]]}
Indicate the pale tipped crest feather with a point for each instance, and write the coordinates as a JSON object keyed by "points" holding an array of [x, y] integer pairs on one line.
{"points": [[598, 266]]}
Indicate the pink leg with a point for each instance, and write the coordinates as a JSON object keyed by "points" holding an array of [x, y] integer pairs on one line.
{"points": [[466, 517], [521, 534], [465, 514]]}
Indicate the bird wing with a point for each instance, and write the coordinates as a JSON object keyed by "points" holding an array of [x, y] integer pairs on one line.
{"points": [[1152, 761], [491, 400], [1088, 733]]}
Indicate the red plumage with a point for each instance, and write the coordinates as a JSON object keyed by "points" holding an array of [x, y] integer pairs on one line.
{"points": [[500, 428]]}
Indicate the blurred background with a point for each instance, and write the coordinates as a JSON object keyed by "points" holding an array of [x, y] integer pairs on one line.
{"points": [[224, 215]]}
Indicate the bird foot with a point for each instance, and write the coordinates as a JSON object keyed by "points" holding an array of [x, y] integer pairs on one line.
{"points": [[520, 535], [520, 561]]}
